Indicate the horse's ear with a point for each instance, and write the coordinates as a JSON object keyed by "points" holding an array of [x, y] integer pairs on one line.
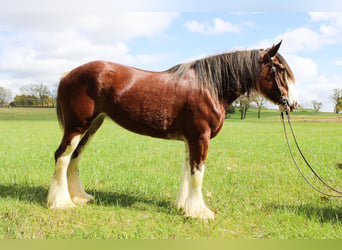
{"points": [[273, 50]]}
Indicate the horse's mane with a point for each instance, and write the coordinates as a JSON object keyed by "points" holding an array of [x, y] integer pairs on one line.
{"points": [[235, 71], [220, 73]]}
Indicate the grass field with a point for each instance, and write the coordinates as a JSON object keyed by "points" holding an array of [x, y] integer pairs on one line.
{"points": [[250, 180]]}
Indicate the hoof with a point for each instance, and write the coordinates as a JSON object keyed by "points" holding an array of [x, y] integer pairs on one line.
{"points": [[62, 205], [83, 200], [201, 214], [198, 210], [179, 204]]}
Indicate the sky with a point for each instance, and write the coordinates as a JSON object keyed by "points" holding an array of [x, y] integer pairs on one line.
{"points": [[41, 40]]}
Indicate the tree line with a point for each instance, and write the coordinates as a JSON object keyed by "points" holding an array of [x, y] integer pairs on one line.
{"points": [[337, 97], [244, 102], [33, 95], [39, 95]]}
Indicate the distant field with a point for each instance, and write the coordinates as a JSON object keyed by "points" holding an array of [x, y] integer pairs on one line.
{"points": [[250, 180], [27, 114]]}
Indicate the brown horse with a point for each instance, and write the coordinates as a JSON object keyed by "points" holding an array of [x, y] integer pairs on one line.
{"points": [[187, 102]]}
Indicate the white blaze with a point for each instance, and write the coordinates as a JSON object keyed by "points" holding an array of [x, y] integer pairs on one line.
{"points": [[292, 93]]}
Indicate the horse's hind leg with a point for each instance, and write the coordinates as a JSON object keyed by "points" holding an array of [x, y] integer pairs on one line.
{"points": [[77, 193], [58, 196]]}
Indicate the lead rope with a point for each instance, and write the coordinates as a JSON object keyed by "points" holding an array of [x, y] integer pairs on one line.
{"points": [[307, 163]]}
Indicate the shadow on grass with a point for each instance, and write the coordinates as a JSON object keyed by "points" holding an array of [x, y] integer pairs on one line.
{"points": [[323, 213], [136, 200], [24, 192]]}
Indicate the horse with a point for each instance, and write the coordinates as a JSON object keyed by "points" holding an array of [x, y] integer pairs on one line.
{"points": [[187, 102]]}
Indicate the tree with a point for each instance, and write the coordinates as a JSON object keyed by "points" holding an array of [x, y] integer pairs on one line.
{"points": [[259, 101], [39, 91], [5, 96], [316, 106], [337, 97], [54, 96], [244, 105], [338, 107], [42, 91], [48, 101], [28, 90], [26, 101]]}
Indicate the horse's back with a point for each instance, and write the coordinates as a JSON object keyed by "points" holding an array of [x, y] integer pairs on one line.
{"points": [[142, 101]]}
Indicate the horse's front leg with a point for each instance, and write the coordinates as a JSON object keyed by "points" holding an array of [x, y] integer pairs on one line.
{"points": [[184, 187], [194, 204]]}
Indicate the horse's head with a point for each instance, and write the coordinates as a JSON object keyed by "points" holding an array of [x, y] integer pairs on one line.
{"points": [[277, 80]]}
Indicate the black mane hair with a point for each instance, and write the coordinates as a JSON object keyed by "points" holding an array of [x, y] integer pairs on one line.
{"points": [[236, 71]]}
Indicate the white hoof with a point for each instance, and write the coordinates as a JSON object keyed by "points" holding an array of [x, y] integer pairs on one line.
{"points": [[197, 209], [59, 198], [201, 213], [180, 202], [86, 198], [61, 205]]}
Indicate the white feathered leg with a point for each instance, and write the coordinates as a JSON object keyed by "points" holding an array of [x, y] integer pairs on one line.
{"points": [[184, 187], [58, 196], [194, 204], [77, 193]]}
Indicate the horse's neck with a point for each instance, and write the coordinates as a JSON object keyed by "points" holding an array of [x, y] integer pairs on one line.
{"points": [[232, 95]]}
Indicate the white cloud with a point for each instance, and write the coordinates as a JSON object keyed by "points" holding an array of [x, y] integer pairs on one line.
{"points": [[105, 27], [337, 62], [298, 40], [304, 69], [334, 18], [39, 47], [127, 25], [90, 6], [218, 26], [306, 38], [327, 30], [195, 26]]}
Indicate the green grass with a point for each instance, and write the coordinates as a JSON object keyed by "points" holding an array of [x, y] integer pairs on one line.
{"points": [[250, 180]]}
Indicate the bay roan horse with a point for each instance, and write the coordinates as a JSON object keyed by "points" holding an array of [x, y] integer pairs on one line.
{"points": [[187, 102]]}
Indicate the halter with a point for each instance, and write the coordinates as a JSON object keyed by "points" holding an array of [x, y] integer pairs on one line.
{"points": [[273, 75]]}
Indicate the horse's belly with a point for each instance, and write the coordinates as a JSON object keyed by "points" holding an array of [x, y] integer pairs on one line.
{"points": [[147, 114]]}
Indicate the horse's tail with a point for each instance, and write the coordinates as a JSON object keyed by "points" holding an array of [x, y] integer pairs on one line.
{"points": [[59, 113], [58, 105]]}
